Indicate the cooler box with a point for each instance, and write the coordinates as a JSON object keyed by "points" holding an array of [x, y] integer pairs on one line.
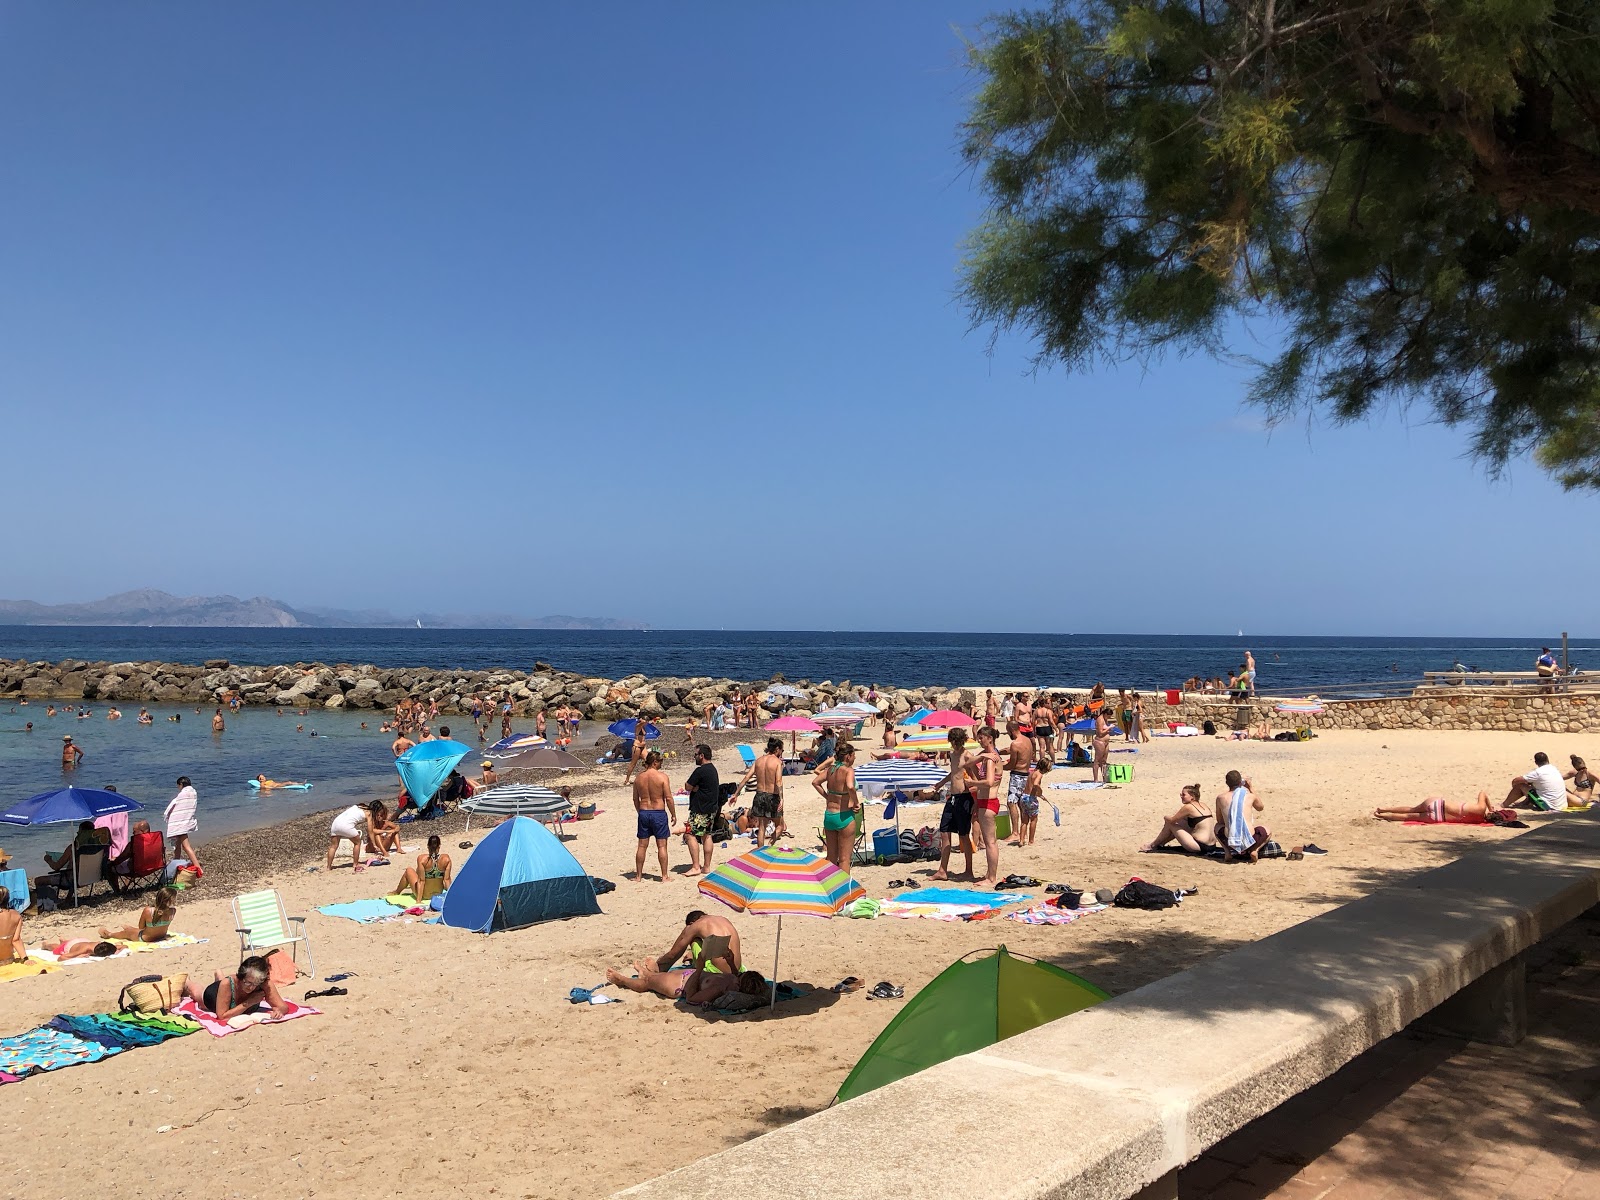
{"points": [[886, 843], [1002, 824]]}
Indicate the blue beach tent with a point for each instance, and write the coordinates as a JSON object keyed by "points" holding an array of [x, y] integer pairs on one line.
{"points": [[519, 875], [426, 766]]}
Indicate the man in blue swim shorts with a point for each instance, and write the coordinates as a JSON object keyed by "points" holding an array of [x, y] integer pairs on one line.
{"points": [[652, 800]]}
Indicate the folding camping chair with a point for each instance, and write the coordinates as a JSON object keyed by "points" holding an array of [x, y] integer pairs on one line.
{"points": [[261, 924], [147, 859]]}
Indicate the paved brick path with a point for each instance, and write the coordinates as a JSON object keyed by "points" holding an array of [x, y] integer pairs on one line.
{"points": [[1421, 1116]]}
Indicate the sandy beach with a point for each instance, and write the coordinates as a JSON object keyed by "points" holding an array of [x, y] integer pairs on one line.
{"points": [[456, 1062]]}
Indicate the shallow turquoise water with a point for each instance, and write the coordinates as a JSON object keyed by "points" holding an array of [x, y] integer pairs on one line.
{"points": [[344, 763]]}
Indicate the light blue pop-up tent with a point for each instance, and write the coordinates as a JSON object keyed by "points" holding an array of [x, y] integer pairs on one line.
{"points": [[426, 766], [519, 875]]}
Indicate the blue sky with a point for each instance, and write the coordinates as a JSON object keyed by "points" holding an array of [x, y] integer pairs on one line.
{"points": [[644, 311]]}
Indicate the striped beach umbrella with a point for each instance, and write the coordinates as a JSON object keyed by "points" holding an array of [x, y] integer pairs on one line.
{"points": [[517, 743], [518, 800], [781, 882], [836, 717], [899, 773]]}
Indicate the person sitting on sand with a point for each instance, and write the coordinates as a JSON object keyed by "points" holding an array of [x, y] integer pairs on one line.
{"points": [[488, 778], [430, 867], [383, 835], [12, 948], [690, 986], [348, 826], [1544, 787], [1193, 826], [239, 994], [1581, 793], [153, 921], [1436, 810], [713, 942], [1235, 811]]}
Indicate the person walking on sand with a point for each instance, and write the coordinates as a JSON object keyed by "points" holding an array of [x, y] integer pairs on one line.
{"points": [[652, 800], [767, 807], [636, 755], [1019, 761], [955, 822], [983, 772], [71, 753], [182, 820], [705, 802], [1138, 731], [1249, 673]]}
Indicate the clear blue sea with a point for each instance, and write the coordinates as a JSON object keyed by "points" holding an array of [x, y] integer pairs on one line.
{"points": [[347, 764]]}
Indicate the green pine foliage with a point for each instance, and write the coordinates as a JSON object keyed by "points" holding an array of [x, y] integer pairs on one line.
{"points": [[1411, 189]]}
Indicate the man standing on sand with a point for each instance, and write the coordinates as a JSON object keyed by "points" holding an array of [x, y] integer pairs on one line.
{"points": [[983, 770], [71, 755], [955, 823], [1019, 761], [705, 802], [652, 800], [768, 804]]}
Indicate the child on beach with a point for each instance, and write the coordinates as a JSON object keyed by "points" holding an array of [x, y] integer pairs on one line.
{"points": [[1028, 804]]}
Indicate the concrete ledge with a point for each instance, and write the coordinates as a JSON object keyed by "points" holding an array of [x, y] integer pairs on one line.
{"points": [[1113, 1098]]}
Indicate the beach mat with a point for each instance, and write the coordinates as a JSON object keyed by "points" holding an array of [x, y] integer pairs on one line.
{"points": [[1049, 914], [124, 949], [22, 970], [972, 896], [47, 1049], [362, 911], [218, 1028]]}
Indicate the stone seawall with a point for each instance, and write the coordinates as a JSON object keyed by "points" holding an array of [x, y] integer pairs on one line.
{"points": [[1466, 709]]}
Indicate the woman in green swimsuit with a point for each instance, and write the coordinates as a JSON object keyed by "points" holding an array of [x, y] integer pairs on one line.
{"points": [[838, 789], [430, 876], [153, 922]]}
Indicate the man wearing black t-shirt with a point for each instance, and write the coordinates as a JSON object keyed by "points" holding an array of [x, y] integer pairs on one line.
{"points": [[705, 799]]}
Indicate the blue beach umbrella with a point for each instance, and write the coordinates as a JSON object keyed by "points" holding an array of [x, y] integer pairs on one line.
{"points": [[1084, 726], [625, 727], [914, 717], [69, 804], [427, 765], [514, 745]]}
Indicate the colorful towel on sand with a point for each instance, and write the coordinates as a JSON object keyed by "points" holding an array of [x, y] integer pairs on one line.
{"points": [[362, 911], [1082, 785], [219, 1028], [40, 955], [910, 909], [949, 895], [116, 1034], [1049, 914], [47, 1049], [19, 970]]}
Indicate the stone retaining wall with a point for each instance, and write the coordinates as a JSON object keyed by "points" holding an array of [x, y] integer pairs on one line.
{"points": [[1466, 708]]}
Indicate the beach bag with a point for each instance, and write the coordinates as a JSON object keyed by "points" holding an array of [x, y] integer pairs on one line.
{"points": [[928, 842], [908, 843], [1136, 893], [1209, 728], [152, 994], [186, 877]]}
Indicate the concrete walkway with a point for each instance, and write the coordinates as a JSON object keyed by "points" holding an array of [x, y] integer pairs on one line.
{"points": [[1425, 1115]]}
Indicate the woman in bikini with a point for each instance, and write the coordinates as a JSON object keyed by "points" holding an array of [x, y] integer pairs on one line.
{"points": [[838, 790], [153, 921], [239, 994], [1193, 826], [430, 866], [1436, 810], [12, 947], [383, 836], [1102, 746], [1584, 785]]}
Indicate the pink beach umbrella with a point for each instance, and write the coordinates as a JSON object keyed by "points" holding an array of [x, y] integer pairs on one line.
{"points": [[792, 726], [946, 718]]}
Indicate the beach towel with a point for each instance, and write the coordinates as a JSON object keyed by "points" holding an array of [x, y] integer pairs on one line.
{"points": [[46, 1049], [364, 911], [982, 899], [23, 969], [1241, 830], [219, 1028], [1082, 785], [40, 955], [915, 910], [1049, 914], [118, 1035]]}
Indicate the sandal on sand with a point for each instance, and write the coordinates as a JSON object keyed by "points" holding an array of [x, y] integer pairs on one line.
{"points": [[885, 991], [463, 845], [333, 991], [849, 984]]}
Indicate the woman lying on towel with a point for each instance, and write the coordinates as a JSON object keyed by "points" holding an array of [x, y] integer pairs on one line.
{"points": [[695, 987], [74, 947], [1436, 810], [243, 992], [153, 921]]}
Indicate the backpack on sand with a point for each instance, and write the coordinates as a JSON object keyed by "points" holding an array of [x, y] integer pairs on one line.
{"points": [[1136, 893]]}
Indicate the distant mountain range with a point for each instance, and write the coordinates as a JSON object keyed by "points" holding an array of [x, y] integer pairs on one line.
{"points": [[151, 607]]}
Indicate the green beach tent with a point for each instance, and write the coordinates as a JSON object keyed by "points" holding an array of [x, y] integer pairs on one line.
{"points": [[978, 1000]]}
